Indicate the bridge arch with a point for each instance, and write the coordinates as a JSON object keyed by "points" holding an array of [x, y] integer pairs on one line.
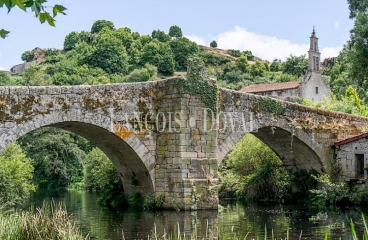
{"points": [[128, 153], [294, 151]]}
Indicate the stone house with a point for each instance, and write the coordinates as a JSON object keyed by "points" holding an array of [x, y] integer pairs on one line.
{"points": [[351, 155], [311, 85]]}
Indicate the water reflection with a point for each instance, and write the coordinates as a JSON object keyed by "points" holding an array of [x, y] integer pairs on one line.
{"points": [[102, 223]]}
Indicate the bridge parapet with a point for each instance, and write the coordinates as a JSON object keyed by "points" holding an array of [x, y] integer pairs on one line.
{"points": [[287, 128]]}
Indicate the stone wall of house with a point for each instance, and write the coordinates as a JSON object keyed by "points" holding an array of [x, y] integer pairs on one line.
{"points": [[347, 157]]}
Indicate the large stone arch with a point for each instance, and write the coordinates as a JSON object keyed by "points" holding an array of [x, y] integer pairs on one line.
{"points": [[127, 152]]}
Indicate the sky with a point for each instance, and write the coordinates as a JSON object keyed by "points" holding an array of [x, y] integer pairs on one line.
{"points": [[269, 28]]}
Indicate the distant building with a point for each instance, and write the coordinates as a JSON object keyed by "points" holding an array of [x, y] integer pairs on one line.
{"points": [[311, 85]]}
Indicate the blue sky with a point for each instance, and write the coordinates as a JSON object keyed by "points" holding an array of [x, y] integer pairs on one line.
{"points": [[269, 28]]}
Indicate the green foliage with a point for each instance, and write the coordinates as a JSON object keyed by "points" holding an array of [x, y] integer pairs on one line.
{"points": [[270, 105], [56, 155], [276, 65], [36, 6], [357, 50], [147, 73], [160, 36], [101, 24], [242, 64], [151, 53], [303, 181], [234, 53], [252, 170], [350, 103], [108, 54], [136, 200], [183, 49], [295, 65], [329, 192], [213, 44], [71, 41], [16, 173], [4, 79], [166, 64], [101, 175], [33, 77], [357, 6], [175, 32], [257, 69], [198, 85], [151, 202], [28, 55]]}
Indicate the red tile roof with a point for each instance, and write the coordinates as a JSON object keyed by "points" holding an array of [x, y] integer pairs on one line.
{"points": [[270, 87], [352, 139]]}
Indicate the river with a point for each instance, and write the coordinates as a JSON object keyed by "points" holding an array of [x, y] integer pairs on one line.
{"points": [[102, 223]]}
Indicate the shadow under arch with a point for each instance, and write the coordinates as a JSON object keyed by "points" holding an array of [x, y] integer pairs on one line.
{"points": [[294, 153], [125, 159]]}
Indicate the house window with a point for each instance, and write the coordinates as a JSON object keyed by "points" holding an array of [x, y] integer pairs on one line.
{"points": [[316, 90]]}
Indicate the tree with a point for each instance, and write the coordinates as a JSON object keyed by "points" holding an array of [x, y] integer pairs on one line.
{"points": [[151, 53], [276, 65], [160, 35], [100, 24], [166, 64], [57, 156], [257, 69], [100, 174], [16, 174], [109, 53], [357, 50], [183, 49], [36, 6], [71, 41], [242, 63], [296, 65], [213, 44], [175, 32], [357, 6]]}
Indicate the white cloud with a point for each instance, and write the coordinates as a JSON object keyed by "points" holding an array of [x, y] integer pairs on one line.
{"points": [[337, 23], [2, 69], [330, 52], [264, 47], [197, 39]]}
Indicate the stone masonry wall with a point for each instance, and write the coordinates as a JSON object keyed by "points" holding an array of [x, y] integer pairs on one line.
{"points": [[347, 159]]}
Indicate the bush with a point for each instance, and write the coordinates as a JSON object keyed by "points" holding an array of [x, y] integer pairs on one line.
{"points": [[234, 53], [213, 44]]}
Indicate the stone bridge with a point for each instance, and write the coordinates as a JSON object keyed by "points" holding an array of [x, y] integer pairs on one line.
{"points": [[168, 139]]}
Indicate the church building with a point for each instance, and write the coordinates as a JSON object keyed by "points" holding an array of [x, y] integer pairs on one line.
{"points": [[310, 86]]}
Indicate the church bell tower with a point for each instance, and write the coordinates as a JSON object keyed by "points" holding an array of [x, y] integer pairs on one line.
{"points": [[314, 54]]}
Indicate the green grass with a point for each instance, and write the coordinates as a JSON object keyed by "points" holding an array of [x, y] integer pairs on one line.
{"points": [[50, 221]]}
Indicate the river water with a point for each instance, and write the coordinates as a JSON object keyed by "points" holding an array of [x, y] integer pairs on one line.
{"points": [[300, 223]]}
